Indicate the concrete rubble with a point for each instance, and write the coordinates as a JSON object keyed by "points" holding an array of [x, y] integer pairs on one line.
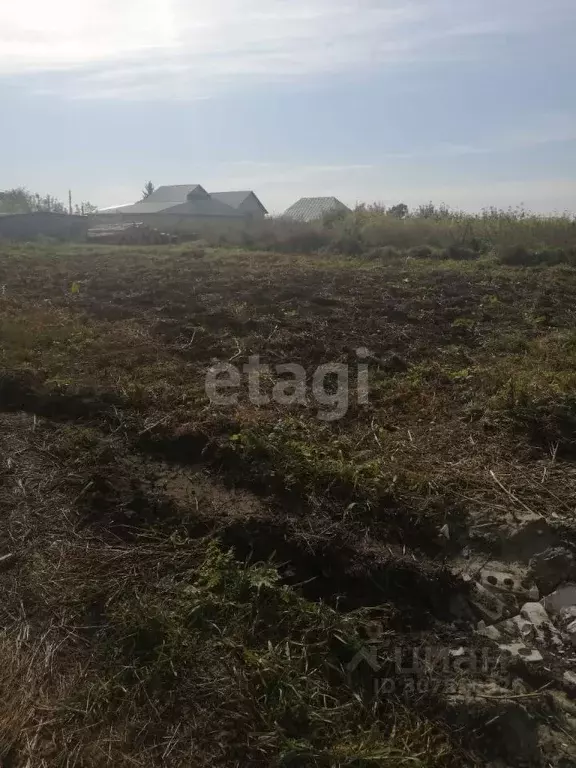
{"points": [[502, 581], [513, 615], [563, 597], [529, 655], [550, 568]]}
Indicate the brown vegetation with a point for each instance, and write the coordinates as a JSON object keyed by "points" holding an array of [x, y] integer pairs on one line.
{"points": [[185, 584]]}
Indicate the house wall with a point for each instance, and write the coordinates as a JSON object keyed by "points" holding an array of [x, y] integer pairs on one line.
{"points": [[251, 208], [178, 224], [29, 226]]}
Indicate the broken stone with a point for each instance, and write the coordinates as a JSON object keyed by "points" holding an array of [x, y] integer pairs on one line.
{"points": [[552, 567], [563, 597], [508, 582], [519, 650], [571, 628], [445, 531], [490, 632], [567, 614], [541, 627], [488, 605], [530, 626], [528, 632], [535, 614], [512, 627], [456, 653]]}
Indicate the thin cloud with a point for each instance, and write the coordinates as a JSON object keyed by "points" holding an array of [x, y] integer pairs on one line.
{"points": [[187, 48]]}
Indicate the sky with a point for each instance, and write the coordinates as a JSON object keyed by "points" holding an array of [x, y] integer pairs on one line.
{"points": [[467, 102]]}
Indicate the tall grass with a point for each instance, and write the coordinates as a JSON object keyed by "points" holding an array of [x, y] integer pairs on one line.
{"points": [[370, 227]]}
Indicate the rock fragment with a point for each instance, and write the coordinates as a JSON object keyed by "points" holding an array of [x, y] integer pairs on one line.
{"points": [[519, 650], [563, 597], [552, 567]]}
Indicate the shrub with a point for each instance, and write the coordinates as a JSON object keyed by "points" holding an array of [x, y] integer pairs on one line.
{"points": [[520, 256], [461, 253], [461, 236], [421, 252]]}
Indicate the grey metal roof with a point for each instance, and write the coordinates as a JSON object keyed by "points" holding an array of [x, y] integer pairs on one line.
{"points": [[175, 199], [200, 207], [235, 199], [114, 208], [312, 208], [144, 207], [175, 193]]}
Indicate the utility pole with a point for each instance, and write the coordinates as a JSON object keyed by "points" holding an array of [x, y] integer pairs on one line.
{"points": [[70, 202]]}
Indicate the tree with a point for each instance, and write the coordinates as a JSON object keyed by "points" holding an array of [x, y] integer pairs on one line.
{"points": [[48, 204], [17, 200], [20, 200], [399, 211], [148, 189], [85, 209]]}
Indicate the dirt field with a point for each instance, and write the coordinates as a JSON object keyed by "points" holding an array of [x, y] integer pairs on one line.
{"points": [[190, 584]]}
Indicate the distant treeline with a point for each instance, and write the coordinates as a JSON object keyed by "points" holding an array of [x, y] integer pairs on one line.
{"points": [[20, 200]]}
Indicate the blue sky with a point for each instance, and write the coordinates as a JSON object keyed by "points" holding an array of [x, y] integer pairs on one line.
{"points": [[467, 102]]}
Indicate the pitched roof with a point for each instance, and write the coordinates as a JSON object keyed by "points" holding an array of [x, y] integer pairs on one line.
{"points": [[187, 200], [201, 207], [144, 207], [312, 208], [204, 207], [175, 193], [114, 208], [235, 199]]}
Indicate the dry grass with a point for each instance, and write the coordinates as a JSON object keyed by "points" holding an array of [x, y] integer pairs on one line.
{"points": [[516, 236], [188, 582]]}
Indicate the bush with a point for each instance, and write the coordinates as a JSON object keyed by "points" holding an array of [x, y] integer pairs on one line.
{"points": [[520, 256], [461, 253], [447, 234], [421, 252]]}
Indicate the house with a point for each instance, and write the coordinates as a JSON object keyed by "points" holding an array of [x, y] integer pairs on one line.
{"points": [[314, 208], [246, 202], [183, 207]]}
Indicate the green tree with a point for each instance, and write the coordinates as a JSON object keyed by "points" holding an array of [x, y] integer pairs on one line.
{"points": [[17, 200], [20, 200], [399, 211]]}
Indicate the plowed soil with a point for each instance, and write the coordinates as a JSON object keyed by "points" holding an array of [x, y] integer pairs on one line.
{"points": [[186, 583]]}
